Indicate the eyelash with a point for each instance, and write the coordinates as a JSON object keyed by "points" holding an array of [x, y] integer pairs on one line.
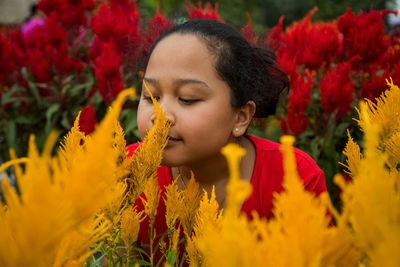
{"points": [[182, 100], [188, 101]]}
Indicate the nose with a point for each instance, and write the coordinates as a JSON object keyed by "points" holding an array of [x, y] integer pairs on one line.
{"points": [[168, 112]]}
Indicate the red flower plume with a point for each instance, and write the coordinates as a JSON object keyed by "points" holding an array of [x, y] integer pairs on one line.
{"points": [[11, 57], [87, 120], [47, 53], [248, 31], [156, 26], [108, 73], [364, 34], [374, 87], [310, 44], [118, 24], [198, 13], [337, 89], [70, 13], [298, 103]]}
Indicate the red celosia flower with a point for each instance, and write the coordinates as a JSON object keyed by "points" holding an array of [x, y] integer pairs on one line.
{"points": [[275, 39], [70, 13], [11, 57], [47, 52], [248, 31], [374, 87], [108, 73], [337, 89], [288, 65], [392, 55], [87, 120], [199, 13], [310, 44], [118, 24], [364, 34], [298, 102], [156, 26]]}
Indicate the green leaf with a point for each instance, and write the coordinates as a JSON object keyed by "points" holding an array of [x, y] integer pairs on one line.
{"points": [[10, 130], [315, 148], [51, 110], [171, 257], [8, 96]]}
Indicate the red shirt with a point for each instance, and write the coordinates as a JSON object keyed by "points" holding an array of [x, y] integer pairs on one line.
{"points": [[266, 179]]}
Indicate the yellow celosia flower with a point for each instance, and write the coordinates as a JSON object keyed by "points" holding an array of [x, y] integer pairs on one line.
{"points": [[152, 194], [73, 187], [73, 141], [237, 190], [147, 158], [392, 148], [304, 233], [208, 215], [191, 201], [297, 236], [385, 112], [130, 225], [353, 154], [173, 203], [175, 238], [372, 200], [73, 249]]}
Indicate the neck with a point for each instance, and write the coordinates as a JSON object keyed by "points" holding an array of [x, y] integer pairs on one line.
{"points": [[207, 172]]}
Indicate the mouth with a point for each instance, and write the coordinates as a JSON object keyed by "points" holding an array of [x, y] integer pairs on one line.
{"points": [[172, 140]]}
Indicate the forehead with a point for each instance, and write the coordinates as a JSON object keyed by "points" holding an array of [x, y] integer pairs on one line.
{"points": [[186, 52]]}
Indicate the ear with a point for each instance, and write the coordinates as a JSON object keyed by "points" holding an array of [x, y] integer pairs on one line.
{"points": [[244, 115]]}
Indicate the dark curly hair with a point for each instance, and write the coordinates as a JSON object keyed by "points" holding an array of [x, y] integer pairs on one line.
{"points": [[251, 72]]}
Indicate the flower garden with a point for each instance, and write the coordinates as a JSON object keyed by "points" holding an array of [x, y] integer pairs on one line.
{"points": [[342, 108]]}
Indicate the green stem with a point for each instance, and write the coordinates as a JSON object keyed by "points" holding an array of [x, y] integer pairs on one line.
{"points": [[151, 241], [128, 255]]}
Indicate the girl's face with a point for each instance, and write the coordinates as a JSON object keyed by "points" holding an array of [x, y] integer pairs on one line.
{"points": [[181, 76]]}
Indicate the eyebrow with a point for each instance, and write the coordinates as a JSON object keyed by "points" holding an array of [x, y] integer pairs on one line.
{"points": [[178, 82]]}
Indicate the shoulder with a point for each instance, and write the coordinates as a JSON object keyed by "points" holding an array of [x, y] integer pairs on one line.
{"points": [[271, 149], [269, 160]]}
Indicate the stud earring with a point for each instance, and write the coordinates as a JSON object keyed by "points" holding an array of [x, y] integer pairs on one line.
{"points": [[236, 129]]}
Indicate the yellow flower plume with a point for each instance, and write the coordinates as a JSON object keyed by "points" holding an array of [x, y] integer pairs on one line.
{"points": [[147, 158], [152, 194], [130, 225], [173, 203], [237, 190], [191, 200], [73, 187], [372, 200], [353, 154], [384, 113]]}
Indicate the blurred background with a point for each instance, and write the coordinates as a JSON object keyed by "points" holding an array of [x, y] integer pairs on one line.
{"points": [[263, 12]]}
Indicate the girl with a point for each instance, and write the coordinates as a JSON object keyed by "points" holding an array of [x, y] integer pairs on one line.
{"points": [[212, 82]]}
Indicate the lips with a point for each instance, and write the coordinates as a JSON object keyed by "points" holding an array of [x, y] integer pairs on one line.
{"points": [[172, 140]]}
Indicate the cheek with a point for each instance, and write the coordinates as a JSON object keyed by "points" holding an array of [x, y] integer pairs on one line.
{"points": [[144, 120]]}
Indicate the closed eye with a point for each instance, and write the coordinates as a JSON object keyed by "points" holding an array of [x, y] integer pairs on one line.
{"points": [[188, 101], [148, 98]]}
